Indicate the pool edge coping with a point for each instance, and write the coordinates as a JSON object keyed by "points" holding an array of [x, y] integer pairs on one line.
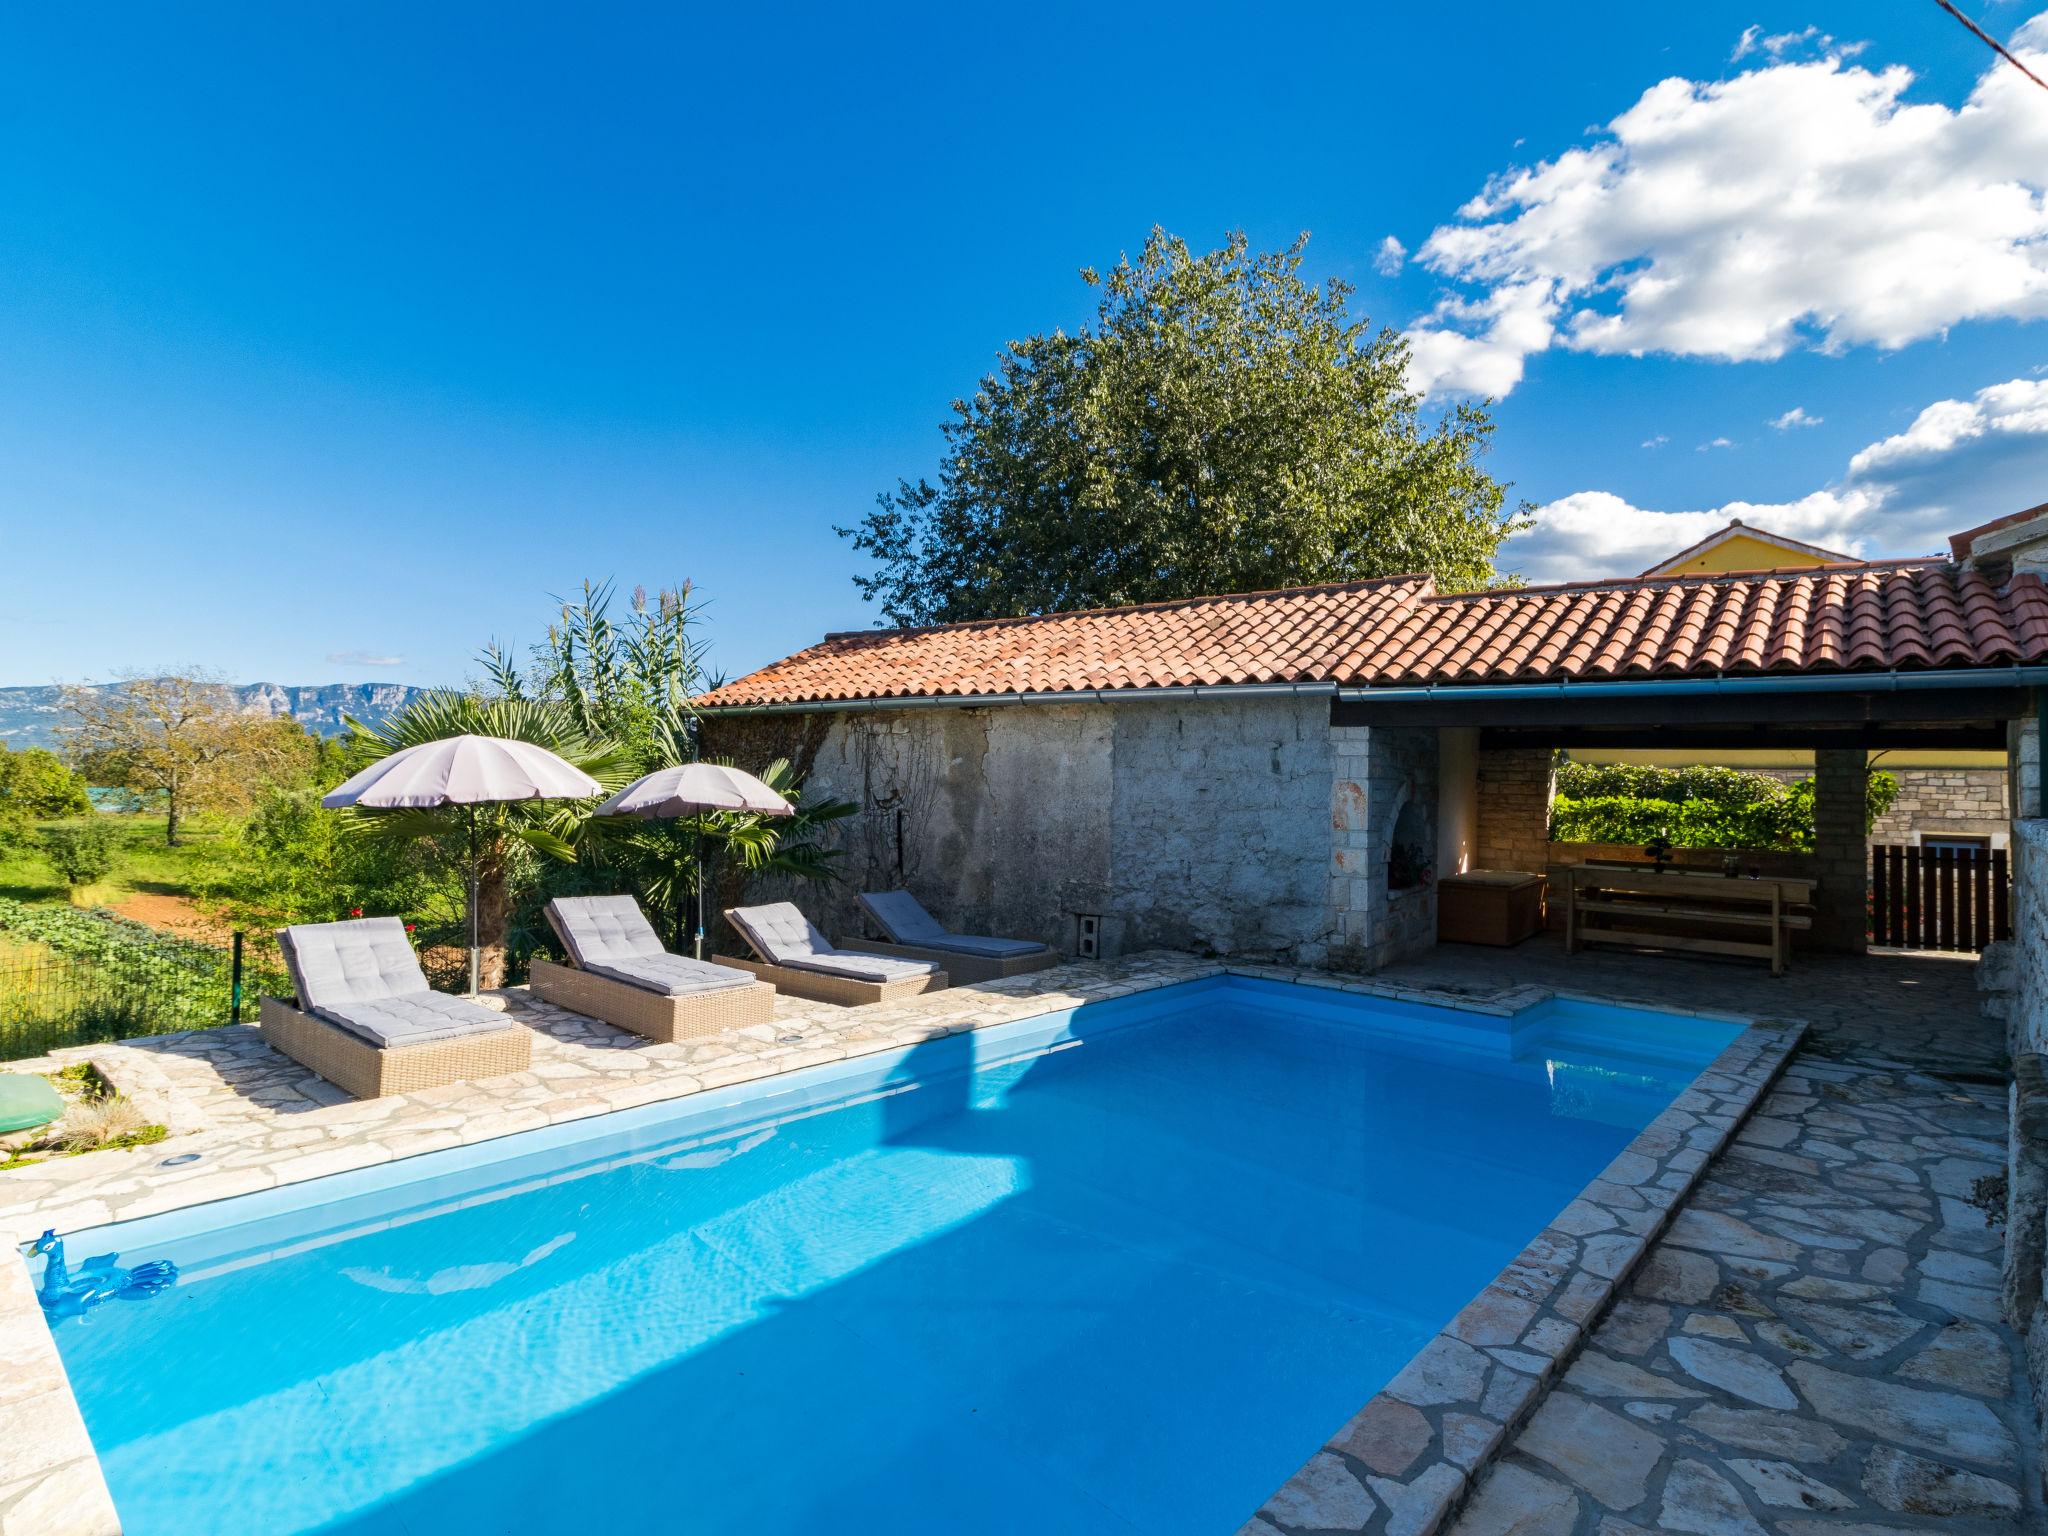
{"points": [[51, 1481], [1407, 1460]]}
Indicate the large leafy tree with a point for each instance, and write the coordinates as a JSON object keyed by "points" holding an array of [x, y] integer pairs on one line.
{"points": [[180, 741], [36, 786], [1222, 425]]}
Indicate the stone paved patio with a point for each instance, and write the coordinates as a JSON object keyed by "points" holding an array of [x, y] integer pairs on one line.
{"points": [[1815, 1345]]}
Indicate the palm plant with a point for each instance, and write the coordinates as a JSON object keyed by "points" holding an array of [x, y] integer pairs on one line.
{"points": [[631, 681], [491, 835], [662, 860]]}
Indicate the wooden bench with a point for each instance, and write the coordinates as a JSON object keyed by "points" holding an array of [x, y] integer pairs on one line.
{"points": [[1685, 910]]}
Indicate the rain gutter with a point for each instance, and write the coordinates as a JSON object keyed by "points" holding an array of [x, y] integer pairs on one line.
{"points": [[1670, 687]]}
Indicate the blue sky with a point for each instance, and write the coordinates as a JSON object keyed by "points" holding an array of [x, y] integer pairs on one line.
{"points": [[332, 344]]}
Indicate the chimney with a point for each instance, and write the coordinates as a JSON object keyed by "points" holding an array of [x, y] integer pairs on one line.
{"points": [[2015, 542]]}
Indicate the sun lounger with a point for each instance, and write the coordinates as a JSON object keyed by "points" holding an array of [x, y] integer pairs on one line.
{"points": [[914, 934], [802, 961], [620, 972], [366, 1020]]}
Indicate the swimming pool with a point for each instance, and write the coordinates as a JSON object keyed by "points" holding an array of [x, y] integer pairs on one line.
{"points": [[1121, 1268]]}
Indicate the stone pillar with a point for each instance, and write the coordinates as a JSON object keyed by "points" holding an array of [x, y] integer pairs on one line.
{"points": [[1351, 850], [1376, 772], [2023, 761], [1515, 787], [1841, 851]]}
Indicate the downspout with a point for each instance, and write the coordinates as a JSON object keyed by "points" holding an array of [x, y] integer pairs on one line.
{"points": [[2041, 751]]}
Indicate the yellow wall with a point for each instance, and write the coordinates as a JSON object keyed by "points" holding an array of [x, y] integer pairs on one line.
{"points": [[1786, 757], [1740, 553]]}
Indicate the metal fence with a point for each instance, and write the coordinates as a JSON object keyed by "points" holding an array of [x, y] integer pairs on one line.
{"points": [[135, 985], [53, 998]]}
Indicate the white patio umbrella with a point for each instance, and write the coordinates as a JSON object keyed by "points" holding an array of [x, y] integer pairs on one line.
{"points": [[693, 789], [467, 771]]}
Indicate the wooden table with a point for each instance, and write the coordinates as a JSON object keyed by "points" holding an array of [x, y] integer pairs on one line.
{"points": [[1685, 909]]}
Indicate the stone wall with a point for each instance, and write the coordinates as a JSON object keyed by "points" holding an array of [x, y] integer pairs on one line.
{"points": [[2023, 764], [1515, 789], [2014, 977], [1966, 800], [995, 818], [1219, 826], [1200, 826], [1248, 827]]}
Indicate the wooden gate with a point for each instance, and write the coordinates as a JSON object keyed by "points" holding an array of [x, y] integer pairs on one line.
{"points": [[1939, 898]]}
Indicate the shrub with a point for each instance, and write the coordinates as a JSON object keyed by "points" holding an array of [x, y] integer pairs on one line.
{"points": [[1701, 807], [1722, 786], [80, 854], [94, 1123]]}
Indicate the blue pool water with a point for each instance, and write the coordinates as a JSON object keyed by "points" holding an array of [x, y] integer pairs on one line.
{"points": [[1119, 1269]]}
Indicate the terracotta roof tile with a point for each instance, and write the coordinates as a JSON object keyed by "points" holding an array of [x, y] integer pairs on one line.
{"points": [[1399, 631]]}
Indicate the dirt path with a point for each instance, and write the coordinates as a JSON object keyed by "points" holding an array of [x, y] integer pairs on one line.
{"points": [[178, 915]]}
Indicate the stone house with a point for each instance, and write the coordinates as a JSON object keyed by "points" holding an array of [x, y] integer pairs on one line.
{"points": [[1285, 774]]}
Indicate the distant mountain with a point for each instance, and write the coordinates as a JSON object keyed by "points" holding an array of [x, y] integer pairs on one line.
{"points": [[29, 717]]}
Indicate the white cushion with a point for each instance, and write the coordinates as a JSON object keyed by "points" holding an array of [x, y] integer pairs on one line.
{"points": [[779, 933], [782, 935], [676, 975], [414, 1018], [859, 967], [600, 930], [366, 958]]}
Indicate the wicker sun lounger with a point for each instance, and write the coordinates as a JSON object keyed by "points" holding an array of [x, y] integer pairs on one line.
{"points": [[801, 961], [366, 1020], [914, 934], [620, 973]]}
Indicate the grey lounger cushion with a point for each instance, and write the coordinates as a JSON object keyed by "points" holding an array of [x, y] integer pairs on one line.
{"points": [[610, 936], [782, 935], [905, 920], [363, 975]]}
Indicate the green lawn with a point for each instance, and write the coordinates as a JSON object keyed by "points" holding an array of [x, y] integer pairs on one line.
{"points": [[142, 863]]}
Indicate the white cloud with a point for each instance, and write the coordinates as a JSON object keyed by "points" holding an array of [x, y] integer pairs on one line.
{"points": [[364, 659], [1390, 258], [1802, 203], [1796, 417], [1778, 44], [1959, 463], [1712, 444], [1656, 442]]}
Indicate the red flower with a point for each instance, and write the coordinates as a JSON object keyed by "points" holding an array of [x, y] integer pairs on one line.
{"points": [[408, 927], [355, 911]]}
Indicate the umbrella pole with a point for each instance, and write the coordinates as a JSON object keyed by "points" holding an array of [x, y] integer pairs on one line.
{"points": [[700, 890], [473, 955]]}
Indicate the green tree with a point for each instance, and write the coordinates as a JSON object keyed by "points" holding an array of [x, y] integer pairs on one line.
{"points": [[38, 784], [1223, 425], [81, 854], [299, 863], [179, 740]]}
